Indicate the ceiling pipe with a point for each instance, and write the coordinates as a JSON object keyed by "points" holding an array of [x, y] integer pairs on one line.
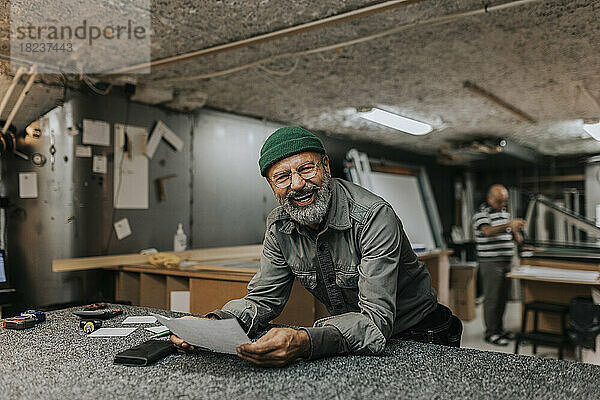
{"points": [[337, 46], [294, 30], [11, 88], [492, 97], [15, 109]]}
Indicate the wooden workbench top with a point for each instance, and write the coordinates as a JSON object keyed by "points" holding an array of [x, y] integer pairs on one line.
{"points": [[211, 259], [210, 255]]}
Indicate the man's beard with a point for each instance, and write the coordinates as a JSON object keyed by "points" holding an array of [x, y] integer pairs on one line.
{"points": [[313, 213]]}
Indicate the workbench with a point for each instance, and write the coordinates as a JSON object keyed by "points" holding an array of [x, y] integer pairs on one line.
{"points": [[55, 360], [559, 291], [222, 274]]}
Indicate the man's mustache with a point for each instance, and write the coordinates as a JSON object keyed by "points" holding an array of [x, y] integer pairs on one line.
{"points": [[308, 189]]}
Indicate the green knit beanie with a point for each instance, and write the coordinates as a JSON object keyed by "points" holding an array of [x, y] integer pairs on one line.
{"points": [[285, 142]]}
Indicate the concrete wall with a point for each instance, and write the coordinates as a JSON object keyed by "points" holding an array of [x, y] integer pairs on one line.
{"points": [[231, 200], [73, 214]]}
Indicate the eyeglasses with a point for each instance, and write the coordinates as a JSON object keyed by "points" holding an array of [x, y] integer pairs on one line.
{"points": [[306, 171]]}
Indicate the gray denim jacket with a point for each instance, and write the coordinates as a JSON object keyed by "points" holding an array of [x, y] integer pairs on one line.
{"points": [[360, 266]]}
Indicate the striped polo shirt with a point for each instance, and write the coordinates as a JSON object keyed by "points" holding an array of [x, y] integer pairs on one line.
{"points": [[498, 247]]}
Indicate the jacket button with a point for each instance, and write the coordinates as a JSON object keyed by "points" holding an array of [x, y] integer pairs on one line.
{"points": [[322, 247], [331, 280]]}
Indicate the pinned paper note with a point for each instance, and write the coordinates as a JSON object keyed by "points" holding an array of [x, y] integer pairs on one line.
{"points": [[154, 140], [162, 131], [172, 138], [141, 319], [99, 165], [96, 132], [131, 168], [83, 151], [122, 228], [112, 332], [28, 187]]}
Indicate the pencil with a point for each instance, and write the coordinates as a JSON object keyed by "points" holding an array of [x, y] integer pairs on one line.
{"points": [[162, 334]]}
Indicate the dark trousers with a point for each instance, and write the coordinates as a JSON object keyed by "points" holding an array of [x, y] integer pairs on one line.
{"points": [[496, 287], [438, 327]]}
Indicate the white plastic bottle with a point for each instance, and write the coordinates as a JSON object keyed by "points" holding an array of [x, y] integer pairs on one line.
{"points": [[180, 239]]}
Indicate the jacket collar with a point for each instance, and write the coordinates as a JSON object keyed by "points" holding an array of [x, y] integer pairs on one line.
{"points": [[288, 226], [338, 215]]}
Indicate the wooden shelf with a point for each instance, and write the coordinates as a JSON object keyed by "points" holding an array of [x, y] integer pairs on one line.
{"points": [[553, 179]]}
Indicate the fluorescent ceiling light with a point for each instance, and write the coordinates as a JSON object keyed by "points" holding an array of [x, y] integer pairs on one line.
{"points": [[593, 130], [396, 121]]}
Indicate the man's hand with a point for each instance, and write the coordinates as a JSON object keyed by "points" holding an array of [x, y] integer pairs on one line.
{"points": [[517, 224], [278, 347], [181, 345], [518, 237]]}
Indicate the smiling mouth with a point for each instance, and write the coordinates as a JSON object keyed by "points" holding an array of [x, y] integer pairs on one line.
{"points": [[304, 200]]}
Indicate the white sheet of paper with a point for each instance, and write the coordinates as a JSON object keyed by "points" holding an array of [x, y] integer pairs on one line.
{"points": [[169, 136], [99, 165], [28, 187], [180, 301], [112, 332], [222, 336], [557, 273], [122, 228], [140, 319], [83, 151], [157, 329], [154, 140], [131, 173], [96, 132]]}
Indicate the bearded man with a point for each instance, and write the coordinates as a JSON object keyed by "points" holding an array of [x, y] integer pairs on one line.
{"points": [[348, 248]]}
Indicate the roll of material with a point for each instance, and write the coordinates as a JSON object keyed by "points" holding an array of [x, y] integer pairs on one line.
{"points": [[90, 326]]}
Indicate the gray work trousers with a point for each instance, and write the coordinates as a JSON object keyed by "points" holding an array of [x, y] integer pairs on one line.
{"points": [[496, 288]]}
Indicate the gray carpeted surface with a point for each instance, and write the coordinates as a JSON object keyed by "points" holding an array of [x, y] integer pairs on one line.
{"points": [[56, 360]]}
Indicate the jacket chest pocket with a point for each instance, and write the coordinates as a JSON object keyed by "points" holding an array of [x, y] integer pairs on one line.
{"points": [[346, 276], [306, 275]]}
